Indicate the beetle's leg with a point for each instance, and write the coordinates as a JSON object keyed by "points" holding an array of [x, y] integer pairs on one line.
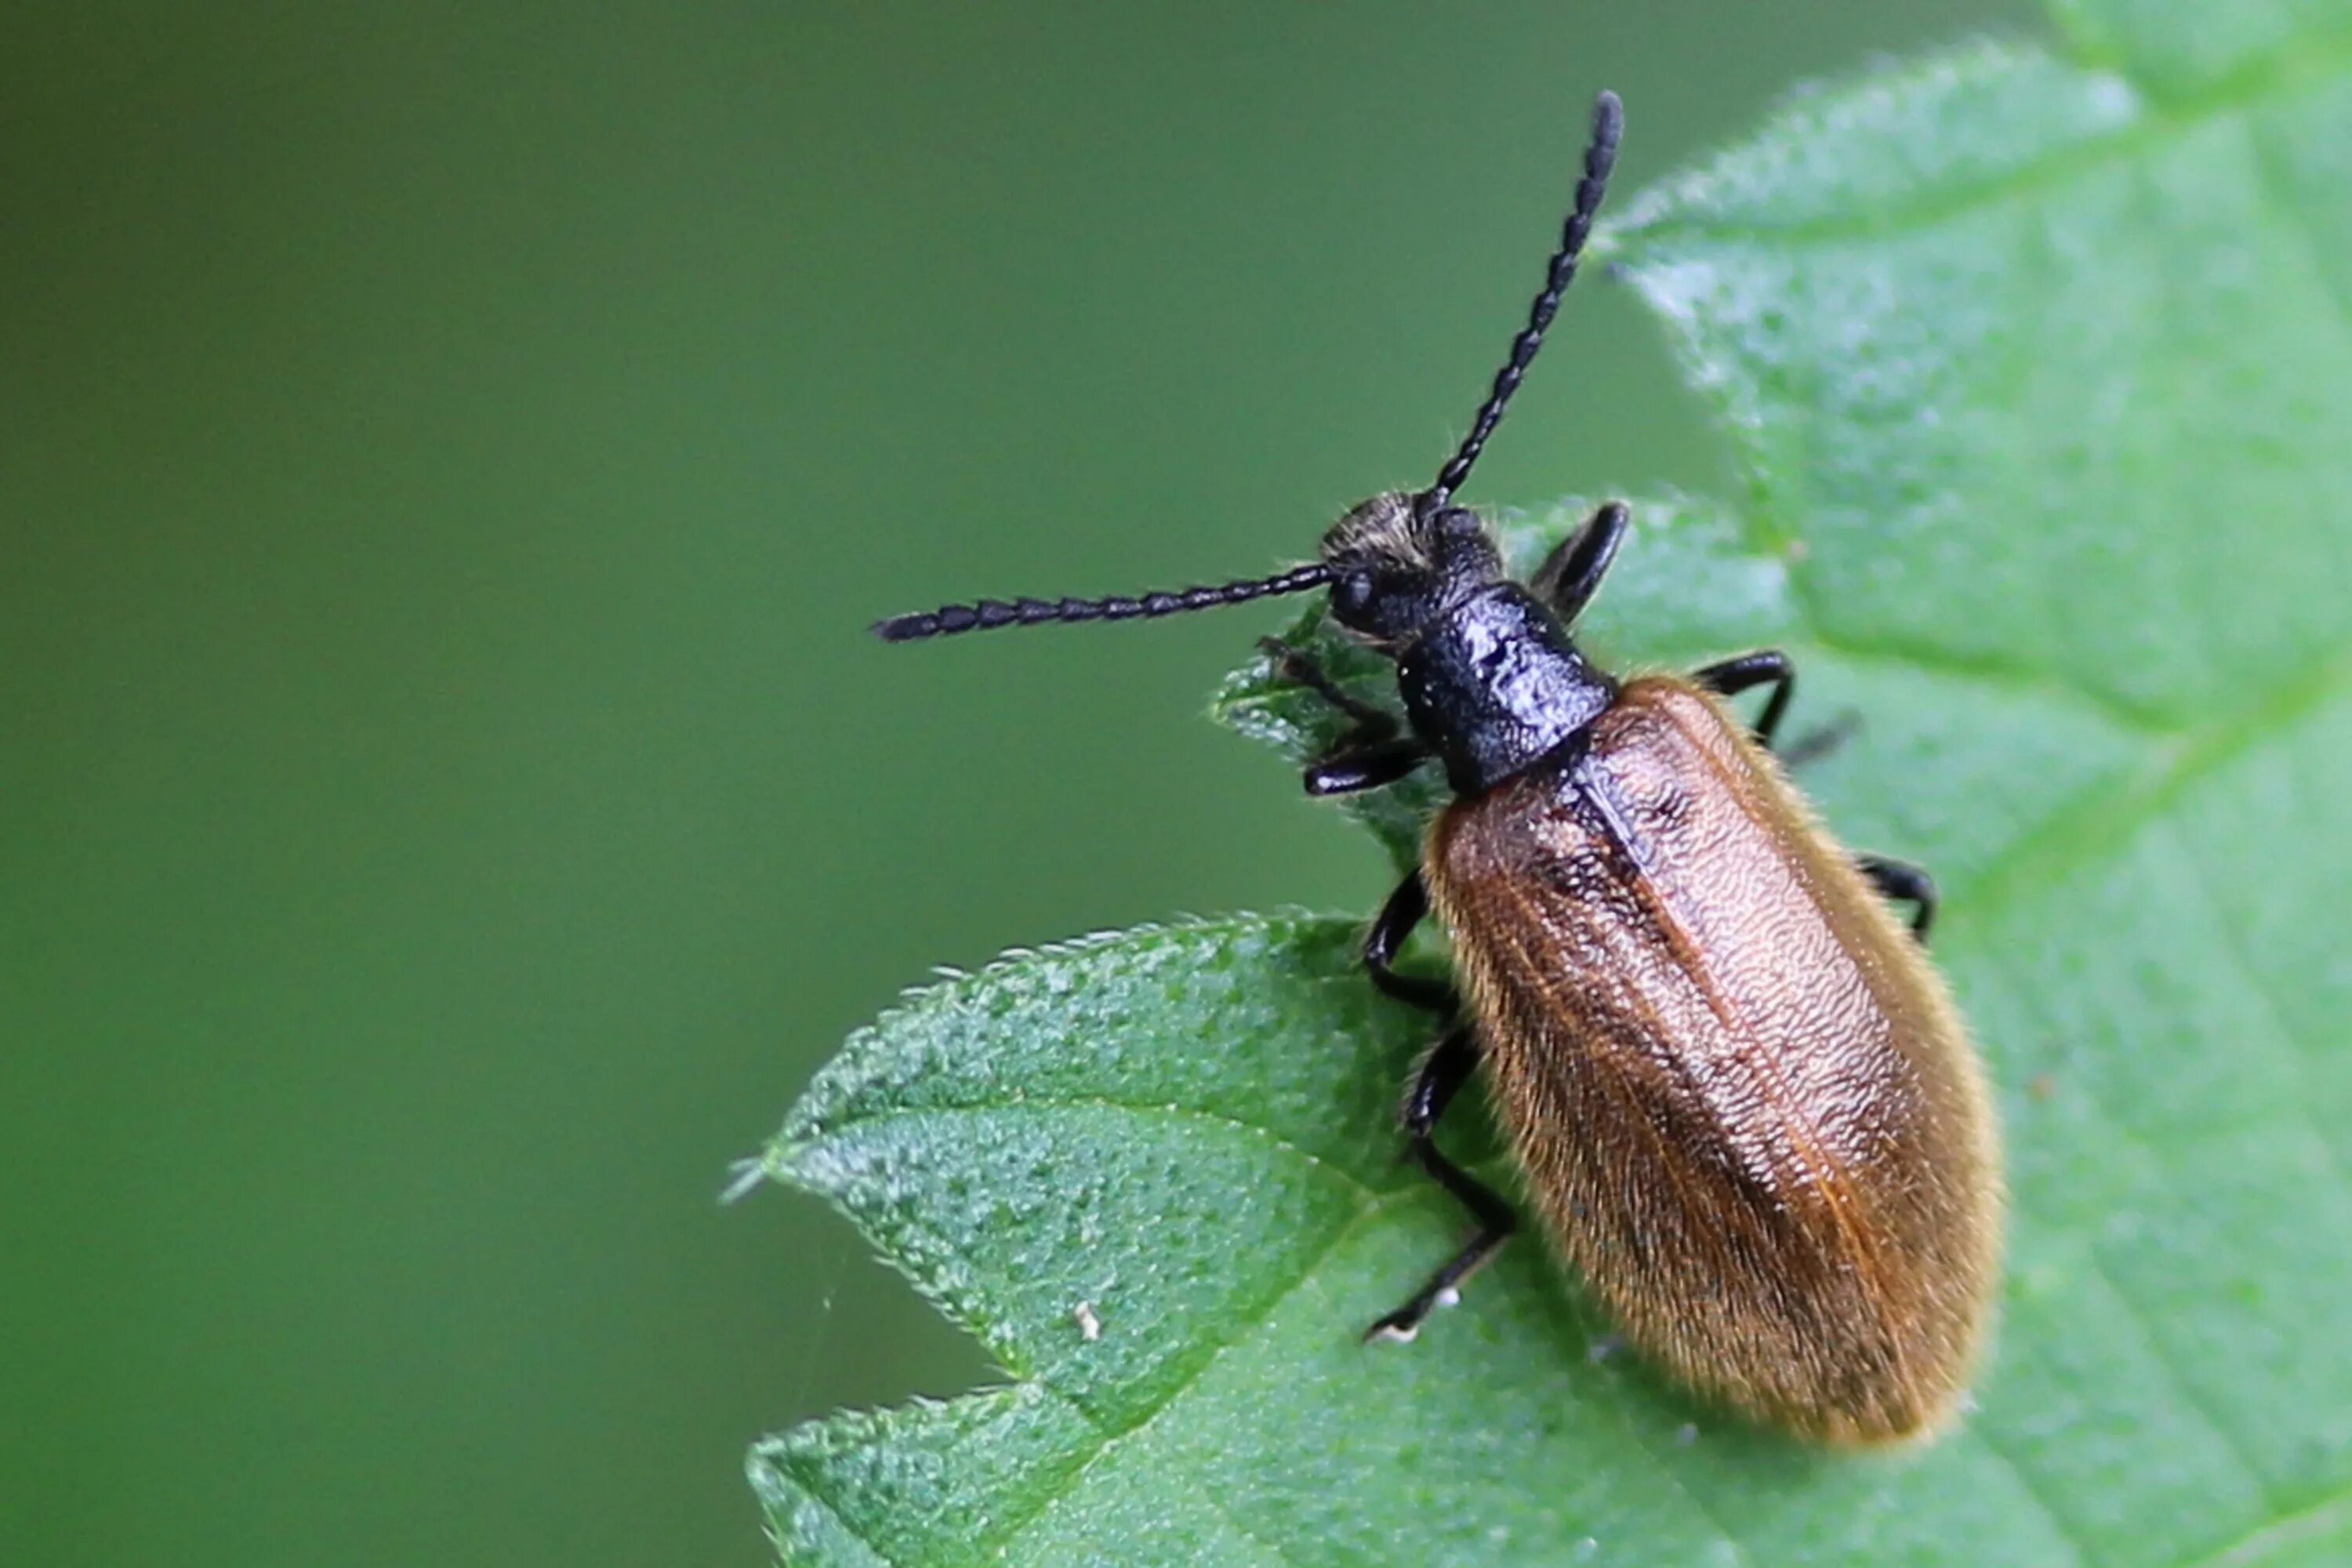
{"points": [[1347, 770], [1298, 664], [1906, 884], [1768, 667], [1373, 754], [1572, 571], [1820, 741], [1406, 908], [1447, 1069]]}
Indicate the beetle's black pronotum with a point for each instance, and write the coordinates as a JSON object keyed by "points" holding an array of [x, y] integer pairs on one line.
{"points": [[1744, 1103]]}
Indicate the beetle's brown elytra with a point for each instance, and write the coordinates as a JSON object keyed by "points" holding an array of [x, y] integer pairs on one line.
{"points": [[1747, 1109]]}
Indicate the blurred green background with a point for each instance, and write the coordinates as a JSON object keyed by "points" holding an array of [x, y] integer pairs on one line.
{"points": [[447, 802]]}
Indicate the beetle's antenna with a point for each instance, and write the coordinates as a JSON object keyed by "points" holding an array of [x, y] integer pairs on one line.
{"points": [[1600, 156], [988, 614]]}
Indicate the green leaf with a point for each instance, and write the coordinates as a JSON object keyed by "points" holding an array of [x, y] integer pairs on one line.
{"points": [[2039, 369]]}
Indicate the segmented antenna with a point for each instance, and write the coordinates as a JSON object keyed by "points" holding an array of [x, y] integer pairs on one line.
{"points": [[949, 620], [1599, 155]]}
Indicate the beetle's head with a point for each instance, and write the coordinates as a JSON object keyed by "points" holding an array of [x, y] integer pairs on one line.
{"points": [[1398, 562]]}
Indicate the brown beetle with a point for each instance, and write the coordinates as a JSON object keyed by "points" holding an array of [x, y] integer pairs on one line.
{"points": [[1744, 1103]]}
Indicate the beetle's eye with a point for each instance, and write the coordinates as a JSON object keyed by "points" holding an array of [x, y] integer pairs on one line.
{"points": [[1351, 593], [1459, 521]]}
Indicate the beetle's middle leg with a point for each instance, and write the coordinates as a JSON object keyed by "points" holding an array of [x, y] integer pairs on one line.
{"points": [[1376, 751], [1895, 880], [1406, 908], [1770, 666], [1442, 1074], [1773, 667], [1447, 1069], [1820, 741]]}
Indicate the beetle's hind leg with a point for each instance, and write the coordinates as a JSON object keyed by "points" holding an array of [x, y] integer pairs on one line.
{"points": [[1375, 751], [1904, 883], [1445, 1070]]}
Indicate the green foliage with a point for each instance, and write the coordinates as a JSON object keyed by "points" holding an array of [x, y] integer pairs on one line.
{"points": [[2039, 369]]}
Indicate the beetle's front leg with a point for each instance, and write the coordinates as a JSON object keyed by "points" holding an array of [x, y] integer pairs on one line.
{"points": [[1374, 752], [1571, 574]]}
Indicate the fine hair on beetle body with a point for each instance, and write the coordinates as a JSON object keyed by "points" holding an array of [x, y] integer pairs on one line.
{"points": [[1746, 1109]]}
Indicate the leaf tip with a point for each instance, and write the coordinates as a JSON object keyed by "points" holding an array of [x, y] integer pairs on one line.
{"points": [[743, 1176], [782, 1161]]}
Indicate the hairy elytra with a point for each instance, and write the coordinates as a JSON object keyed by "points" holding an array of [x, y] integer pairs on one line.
{"points": [[1745, 1106]]}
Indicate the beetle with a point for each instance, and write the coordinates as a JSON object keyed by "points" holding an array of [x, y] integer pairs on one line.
{"points": [[1740, 1093]]}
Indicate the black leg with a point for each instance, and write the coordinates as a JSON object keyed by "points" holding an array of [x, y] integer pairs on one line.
{"points": [[1373, 754], [1360, 768], [1447, 1069], [1292, 664], [1770, 668], [1572, 571], [1904, 884], [1406, 908], [1821, 740]]}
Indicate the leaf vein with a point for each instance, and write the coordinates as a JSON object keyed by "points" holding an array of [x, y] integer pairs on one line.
{"points": [[1249, 1325], [782, 1162], [773, 1455], [2167, 1363], [2285, 1042], [2330, 1514], [1307, 1280], [2164, 123], [2036, 861], [2006, 676], [2059, 1524]]}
